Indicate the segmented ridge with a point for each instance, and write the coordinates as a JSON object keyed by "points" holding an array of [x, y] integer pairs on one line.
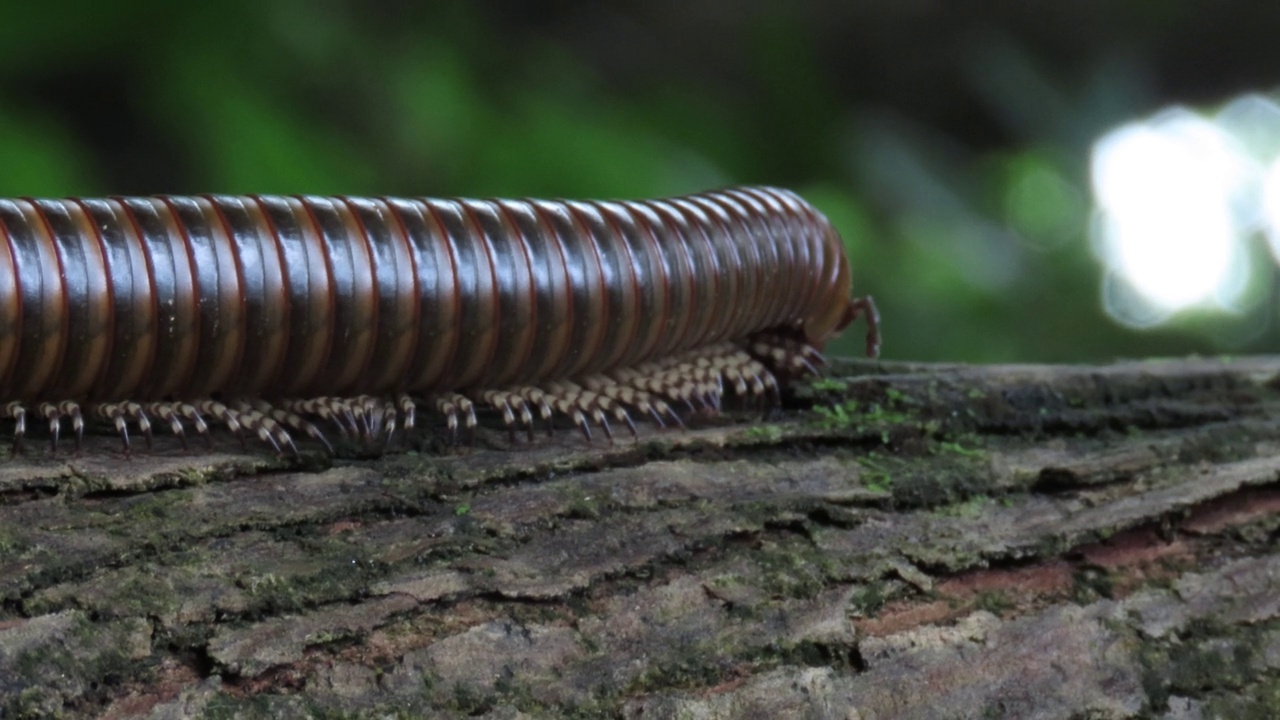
{"points": [[697, 380]]}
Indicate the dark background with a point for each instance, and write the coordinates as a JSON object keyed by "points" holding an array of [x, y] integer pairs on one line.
{"points": [[948, 140]]}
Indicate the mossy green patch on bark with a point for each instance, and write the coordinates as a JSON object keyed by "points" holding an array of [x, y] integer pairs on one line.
{"points": [[1211, 654], [1255, 701], [792, 567], [66, 656]]}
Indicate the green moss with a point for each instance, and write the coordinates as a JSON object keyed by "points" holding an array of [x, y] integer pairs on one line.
{"points": [[971, 508], [34, 702], [1199, 666], [994, 601], [792, 568], [1213, 656], [144, 591], [1091, 584], [1260, 701], [85, 652], [11, 545], [864, 418], [769, 433], [224, 707], [726, 580], [582, 506], [689, 665], [151, 509], [328, 576], [829, 385], [947, 480], [837, 417], [958, 449], [868, 600], [920, 474], [875, 473], [589, 643], [467, 701]]}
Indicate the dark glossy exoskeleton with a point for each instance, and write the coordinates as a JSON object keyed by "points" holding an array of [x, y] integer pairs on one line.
{"points": [[260, 310]]}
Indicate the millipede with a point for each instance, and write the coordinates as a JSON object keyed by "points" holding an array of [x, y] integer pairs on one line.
{"points": [[278, 315]]}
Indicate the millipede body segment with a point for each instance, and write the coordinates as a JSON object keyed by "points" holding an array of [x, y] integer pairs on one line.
{"points": [[276, 315]]}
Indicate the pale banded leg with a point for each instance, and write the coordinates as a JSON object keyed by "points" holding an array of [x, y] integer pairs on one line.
{"points": [[657, 381], [451, 405], [54, 412], [174, 413], [264, 426], [165, 412], [19, 415], [381, 418], [748, 376], [288, 418], [368, 414], [192, 415], [510, 404], [408, 411], [579, 402], [634, 397], [120, 413], [329, 409], [215, 409], [788, 356], [538, 398]]}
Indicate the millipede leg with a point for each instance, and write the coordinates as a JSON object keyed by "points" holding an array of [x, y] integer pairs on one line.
{"points": [[599, 416], [371, 410], [526, 416], [408, 410], [788, 356], [134, 411], [19, 415], [49, 412], [166, 413], [115, 412], [450, 405], [581, 421], [390, 424], [193, 416], [53, 413], [538, 398], [215, 409], [268, 423], [72, 410], [327, 409], [866, 306], [289, 418], [510, 404], [628, 396]]}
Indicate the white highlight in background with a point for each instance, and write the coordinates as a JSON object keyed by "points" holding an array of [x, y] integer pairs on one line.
{"points": [[1167, 191], [1271, 207]]}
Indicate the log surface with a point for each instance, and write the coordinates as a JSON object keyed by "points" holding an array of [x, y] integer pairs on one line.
{"points": [[903, 541]]}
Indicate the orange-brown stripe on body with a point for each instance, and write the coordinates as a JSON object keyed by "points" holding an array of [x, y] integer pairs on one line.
{"points": [[44, 317], [296, 297], [169, 291]]}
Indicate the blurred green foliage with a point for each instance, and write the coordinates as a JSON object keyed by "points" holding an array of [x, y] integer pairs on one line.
{"points": [[971, 235]]}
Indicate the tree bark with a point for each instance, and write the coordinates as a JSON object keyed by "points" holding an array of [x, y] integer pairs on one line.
{"points": [[902, 541]]}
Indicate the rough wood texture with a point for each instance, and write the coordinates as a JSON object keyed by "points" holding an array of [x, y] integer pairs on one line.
{"points": [[938, 541]]}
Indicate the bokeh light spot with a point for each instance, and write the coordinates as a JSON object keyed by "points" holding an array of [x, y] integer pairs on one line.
{"points": [[1168, 192]]}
